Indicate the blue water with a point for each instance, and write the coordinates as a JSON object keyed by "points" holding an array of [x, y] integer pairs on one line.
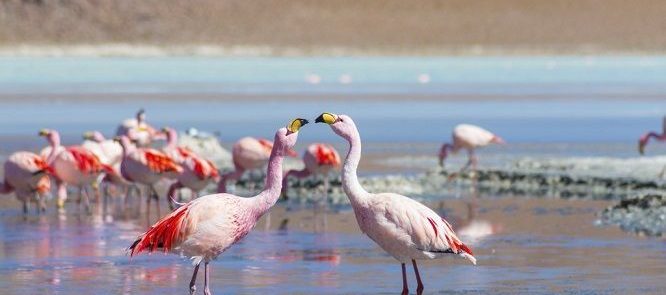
{"points": [[522, 76]]}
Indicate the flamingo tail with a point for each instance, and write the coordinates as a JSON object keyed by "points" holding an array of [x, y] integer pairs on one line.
{"points": [[164, 234]]}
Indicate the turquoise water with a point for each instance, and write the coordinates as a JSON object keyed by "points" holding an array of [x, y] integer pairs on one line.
{"points": [[559, 76]]}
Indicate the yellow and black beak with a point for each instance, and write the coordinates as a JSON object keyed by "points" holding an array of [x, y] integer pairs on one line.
{"points": [[44, 132], [296, 124], [88, 135], [327, 118]]}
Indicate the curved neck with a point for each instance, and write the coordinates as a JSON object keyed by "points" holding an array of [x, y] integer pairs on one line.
{"points": [[350, 183], [656, 136], [273, 186], [54, 141], [172, 139]]}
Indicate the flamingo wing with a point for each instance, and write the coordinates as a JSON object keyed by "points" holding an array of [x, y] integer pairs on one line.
{"points": [[425, 230], [326, 155], [159, 162], [86, 161]]}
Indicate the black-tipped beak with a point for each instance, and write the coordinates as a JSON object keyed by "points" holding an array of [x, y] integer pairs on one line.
{"points": [[320, 119], [303, 122]]}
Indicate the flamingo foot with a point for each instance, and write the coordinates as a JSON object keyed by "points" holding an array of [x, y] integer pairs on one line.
{"points": [[193, 290]]}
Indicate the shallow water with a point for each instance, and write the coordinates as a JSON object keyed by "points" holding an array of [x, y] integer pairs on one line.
{"points": [[555, 249]]}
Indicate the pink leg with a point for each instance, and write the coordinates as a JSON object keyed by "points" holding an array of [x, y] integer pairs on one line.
{"points": [[405, 290], [193, 287], [419, 289], [295, 173], [233, 175], [62, 194], [206, 279]]}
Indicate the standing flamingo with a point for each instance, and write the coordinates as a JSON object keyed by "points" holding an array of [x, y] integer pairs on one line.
{"points": [[247, 153], [469, 137], [197, 171], [207, 226], [110, 153], [146, 166], [138, 130], [26, 176], [405, 228], [319, 158], [72, 165]]}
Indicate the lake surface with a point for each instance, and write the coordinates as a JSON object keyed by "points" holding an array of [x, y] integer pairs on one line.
{"points": [[404, 107]]}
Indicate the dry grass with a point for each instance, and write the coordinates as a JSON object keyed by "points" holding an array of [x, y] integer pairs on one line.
{"points": [[393, 25]]}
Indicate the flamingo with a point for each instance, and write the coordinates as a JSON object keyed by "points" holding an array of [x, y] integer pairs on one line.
{"points": [[26, 174], [205, 227], [197, 171], [643, 141], [110, 153], [248, 153], [73, 165], [319, 158], [403, 227], [138, 130], [469, 137], [146, 166]]}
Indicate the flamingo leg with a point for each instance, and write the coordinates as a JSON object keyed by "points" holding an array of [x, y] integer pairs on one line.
{"points": [[419, 289], [62, 194], [206, 279], [193, 287], [154, 194], [234, 175], [85, 194], [663, 172], [405, 289], [25, 207]]}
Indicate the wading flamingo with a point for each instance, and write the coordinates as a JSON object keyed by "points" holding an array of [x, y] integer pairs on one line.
{"points": [[197, 173], [146, 166], [26, 176], [72, 165], [248, 153], [319, 158], [138, 130], [405, 228], [643, 141], [207, 226], [110, 153], [469, 137]]}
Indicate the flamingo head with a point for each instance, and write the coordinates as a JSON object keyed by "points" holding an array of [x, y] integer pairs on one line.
{"points": [[95, 136], [141, 116], [285, 138], [169, 133], [51, 135], [342, 125]]}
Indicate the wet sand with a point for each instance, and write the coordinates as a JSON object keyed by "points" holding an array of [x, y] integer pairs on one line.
{"points": [[524, 245]]}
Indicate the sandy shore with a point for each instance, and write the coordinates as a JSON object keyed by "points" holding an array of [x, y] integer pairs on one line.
{"points": [[430, 27]]}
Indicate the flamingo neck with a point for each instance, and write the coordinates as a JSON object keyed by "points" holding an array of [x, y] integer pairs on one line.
{"points": [[273, 186], [350, 183], [172, 139], [657, 136], [54, 141], [295, 173]]}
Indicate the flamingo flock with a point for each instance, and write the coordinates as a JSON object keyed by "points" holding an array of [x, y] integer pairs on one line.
{"points": [[206, 226]]}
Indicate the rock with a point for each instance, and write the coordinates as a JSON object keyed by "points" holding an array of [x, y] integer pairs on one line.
{"points": [[643, 214], [206, 145]]}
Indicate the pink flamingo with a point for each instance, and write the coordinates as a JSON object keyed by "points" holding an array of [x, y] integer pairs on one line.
{"points": [[405, 228], [110, 153], [207, 226], [26, 174], [138, 130], [247, 153], [146, 166], [72, 165], [319, 158], [197, 171], [469, 137]]}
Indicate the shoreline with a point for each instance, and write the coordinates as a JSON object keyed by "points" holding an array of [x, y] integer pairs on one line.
{"points": [[143, 50]]}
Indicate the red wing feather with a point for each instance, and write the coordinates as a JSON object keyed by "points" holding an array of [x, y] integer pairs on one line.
{"points": [[327, 155], [86, 161], [160, 163], [164, 234]]}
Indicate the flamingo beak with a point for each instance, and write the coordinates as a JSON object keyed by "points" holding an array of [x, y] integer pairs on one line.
{"points": [[327, 118], [43, 132], [88, 135], [296, 125]]}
